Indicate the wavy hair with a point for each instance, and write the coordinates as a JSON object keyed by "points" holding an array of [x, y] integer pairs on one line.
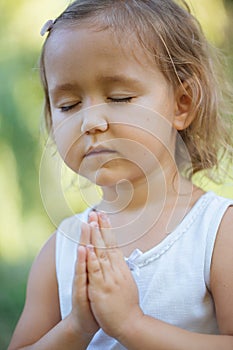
{"points": [[169, 32]]}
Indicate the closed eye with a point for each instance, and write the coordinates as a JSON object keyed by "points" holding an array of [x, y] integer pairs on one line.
{"points": [[68, 107], [111, 99], [120, 99]]}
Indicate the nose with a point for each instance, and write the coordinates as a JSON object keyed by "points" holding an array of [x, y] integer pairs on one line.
{"points": [[94, 120]]}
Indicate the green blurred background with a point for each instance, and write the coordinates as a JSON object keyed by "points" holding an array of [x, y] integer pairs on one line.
{"points": [[27, 218]]}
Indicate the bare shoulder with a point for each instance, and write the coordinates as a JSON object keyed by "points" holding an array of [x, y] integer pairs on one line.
{"points": [[46, 255], [43, 269], [222, 273], [41, 311]]}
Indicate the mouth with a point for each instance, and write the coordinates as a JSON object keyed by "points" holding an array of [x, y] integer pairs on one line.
{"points": [[98, 150]]}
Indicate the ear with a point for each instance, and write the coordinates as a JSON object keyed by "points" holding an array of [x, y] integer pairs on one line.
{"points": [[183, 100]]}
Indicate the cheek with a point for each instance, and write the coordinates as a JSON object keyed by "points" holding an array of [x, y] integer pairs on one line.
{"points": [[144, 123], [146, 146], [67, 136], [133, 143]]}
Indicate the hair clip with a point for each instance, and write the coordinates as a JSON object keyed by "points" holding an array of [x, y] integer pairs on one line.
{"points": [[47, 27]]}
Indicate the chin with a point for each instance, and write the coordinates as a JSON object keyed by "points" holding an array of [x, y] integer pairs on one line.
{"points": [[104, 177], [106, 181]]}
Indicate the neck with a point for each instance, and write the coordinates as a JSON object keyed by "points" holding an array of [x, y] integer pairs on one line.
{"points": [[153, 189], [144, 212]]}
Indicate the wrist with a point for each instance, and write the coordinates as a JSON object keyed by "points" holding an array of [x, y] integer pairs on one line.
{"points": [[130, 327], [76, 332]]}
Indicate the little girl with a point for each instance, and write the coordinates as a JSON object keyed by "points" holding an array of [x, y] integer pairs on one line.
{"points": [[133, 105]]}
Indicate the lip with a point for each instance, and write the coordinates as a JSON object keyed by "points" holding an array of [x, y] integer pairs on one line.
{"points": [[98, 150]]}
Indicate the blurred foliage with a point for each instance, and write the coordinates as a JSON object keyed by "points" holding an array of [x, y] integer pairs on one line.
{"points": [[30, 211], [13, 285], [23, 223]]}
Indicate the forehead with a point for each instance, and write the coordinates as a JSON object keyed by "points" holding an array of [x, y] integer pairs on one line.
{"points": [[88, 48]]}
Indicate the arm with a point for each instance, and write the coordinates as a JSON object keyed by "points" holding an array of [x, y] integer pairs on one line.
{"points": [[222, 274], [114, 299], [40, 325]]}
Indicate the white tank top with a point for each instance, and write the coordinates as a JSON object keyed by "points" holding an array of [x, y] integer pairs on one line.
{"points": [[173, 278]]}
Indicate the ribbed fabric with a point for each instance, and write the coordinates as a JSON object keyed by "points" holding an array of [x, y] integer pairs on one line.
{"points": [[173, 277]]}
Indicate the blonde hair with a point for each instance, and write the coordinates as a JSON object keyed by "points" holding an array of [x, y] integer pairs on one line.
{"points": [[173, 36]]}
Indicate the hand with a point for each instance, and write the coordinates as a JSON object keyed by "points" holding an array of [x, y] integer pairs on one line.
{"points": [[112, 290], [82, 316]]}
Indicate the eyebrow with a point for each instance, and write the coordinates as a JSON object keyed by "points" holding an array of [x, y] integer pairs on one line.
{"points": [[108, 80], [114, 79], [63, 87]]}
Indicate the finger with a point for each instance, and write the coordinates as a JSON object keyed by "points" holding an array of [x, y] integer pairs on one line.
{"points": [[95, 236], [115, 255], [92, 217], [104, 220], [93, 265], [85, 234], [80, 278], [100, 250], [108, 236], [81, 259]]}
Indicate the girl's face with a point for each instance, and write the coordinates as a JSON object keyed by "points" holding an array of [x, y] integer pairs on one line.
{"points": [[112, 109]]}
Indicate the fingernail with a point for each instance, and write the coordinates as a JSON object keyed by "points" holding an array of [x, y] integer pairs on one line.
{"points": [[91, 213], [90, 248], [104, 217], [94, 224]]}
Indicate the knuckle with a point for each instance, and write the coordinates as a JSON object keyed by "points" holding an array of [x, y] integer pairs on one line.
{"points": [[96, 269], [103, 256]]}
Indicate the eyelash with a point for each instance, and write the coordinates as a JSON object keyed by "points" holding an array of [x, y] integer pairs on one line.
{"points": [[65, 109], [68, 108], [121, 100]]}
